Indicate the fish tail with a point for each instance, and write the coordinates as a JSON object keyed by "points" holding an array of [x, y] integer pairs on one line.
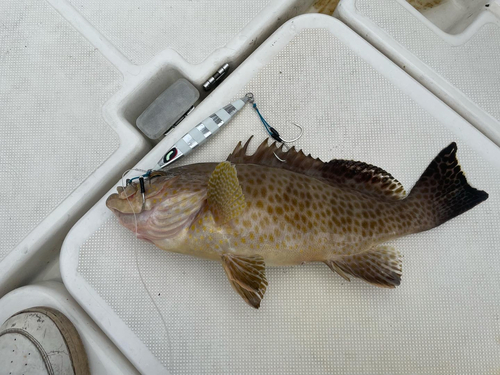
{"points": [[442, 192]]}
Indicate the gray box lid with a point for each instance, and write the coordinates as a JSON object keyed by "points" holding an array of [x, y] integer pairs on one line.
{"points": [[167, 108]]}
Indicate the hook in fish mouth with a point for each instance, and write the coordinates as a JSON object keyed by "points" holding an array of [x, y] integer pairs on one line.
{"points": [[127, 192], [131, 204], [132, 198]]}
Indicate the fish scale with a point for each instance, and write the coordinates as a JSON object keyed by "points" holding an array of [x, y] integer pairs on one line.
{"points": [[282, 224]]}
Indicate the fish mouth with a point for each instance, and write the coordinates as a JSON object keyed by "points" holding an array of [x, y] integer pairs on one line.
{"points": [[111, 200], [127, 192], [129, 200], [123, 206]]}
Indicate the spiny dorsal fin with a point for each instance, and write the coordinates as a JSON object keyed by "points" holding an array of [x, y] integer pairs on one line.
{"points": [[247, 276], [224, 195], [380, 266], [354, 174]]}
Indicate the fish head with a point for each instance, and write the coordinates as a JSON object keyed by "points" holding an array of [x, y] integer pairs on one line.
{"points": [[129, 199], [170, 204]]}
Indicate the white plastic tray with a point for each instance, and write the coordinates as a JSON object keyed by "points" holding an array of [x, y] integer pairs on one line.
{"points": [[171, 313], [453, 49], [104, 358]]}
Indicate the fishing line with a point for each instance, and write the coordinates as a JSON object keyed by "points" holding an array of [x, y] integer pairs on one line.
{"points": [[169, 343]]}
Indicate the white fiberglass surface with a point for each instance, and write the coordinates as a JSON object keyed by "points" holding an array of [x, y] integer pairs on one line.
{"points": [[460, 68], [142, 29], [52, 134]]}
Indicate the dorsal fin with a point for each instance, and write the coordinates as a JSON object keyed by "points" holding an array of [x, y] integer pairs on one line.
{"points": [[354, 174]]}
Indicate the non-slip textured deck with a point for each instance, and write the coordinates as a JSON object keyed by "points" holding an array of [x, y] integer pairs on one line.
{"points": [[444, 318], [472, 67], [53, 84], [194, 29]]}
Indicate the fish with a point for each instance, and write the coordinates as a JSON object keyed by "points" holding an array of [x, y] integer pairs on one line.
{"points": [[250, 212]]}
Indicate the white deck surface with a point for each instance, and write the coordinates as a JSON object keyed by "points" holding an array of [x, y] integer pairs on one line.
{"points": [[170, 313], [51, 115], [57, 152], [222, 30], [142, 29], [462, 68]]}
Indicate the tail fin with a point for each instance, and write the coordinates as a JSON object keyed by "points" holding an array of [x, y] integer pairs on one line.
{"points": [[443, 192]]}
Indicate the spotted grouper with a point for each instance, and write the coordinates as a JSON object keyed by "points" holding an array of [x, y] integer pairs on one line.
{"points": [[254, 210]]}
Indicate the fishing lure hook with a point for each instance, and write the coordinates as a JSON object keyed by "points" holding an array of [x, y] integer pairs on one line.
{"points": [[294, 139], [285, 145], [274, 133], [277, 157]]}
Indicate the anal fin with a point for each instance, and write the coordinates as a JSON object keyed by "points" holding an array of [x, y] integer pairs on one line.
{"points": [[380, 266], [247, 276]]}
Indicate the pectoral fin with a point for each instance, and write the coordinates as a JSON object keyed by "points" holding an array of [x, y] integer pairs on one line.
{"points": [[224, 196], [380, 266], [247, 275]]}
